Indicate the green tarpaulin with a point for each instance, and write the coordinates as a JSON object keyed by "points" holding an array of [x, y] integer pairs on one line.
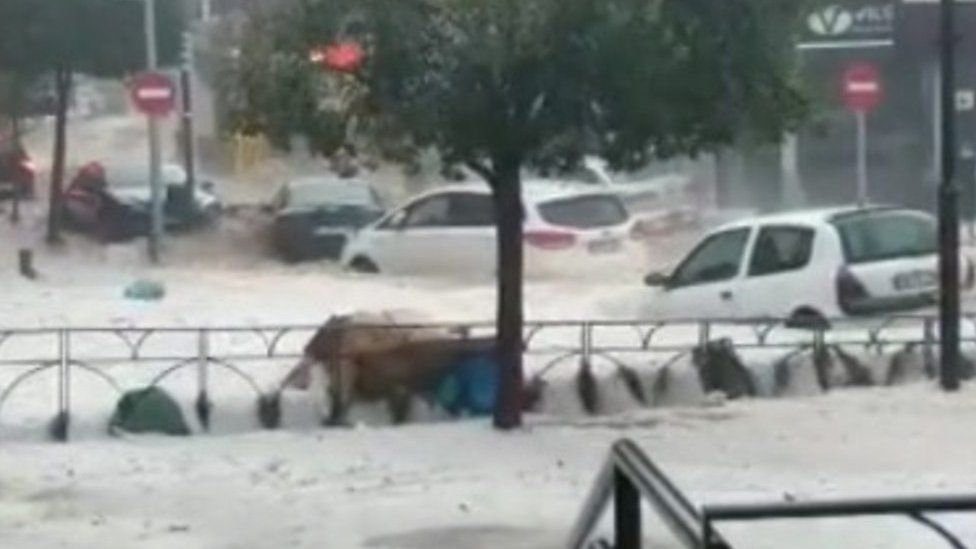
{"points": [[149, 410]]}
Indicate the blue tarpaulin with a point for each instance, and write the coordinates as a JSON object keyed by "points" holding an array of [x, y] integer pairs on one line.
{"points": [[470, 385]]}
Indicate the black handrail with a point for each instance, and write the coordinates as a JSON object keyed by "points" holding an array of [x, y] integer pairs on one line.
{"points": [[912, 507], [854, 507], [629, 475]]}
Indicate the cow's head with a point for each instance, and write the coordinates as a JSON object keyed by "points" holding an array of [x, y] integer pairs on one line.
{"points": [[320, 350]]}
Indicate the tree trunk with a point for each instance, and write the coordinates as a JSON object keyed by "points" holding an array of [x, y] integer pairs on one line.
{"points": [[507, 193], [62, 79]]}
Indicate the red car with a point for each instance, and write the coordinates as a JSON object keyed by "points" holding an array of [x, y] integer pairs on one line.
{"points": [[17, 173], [112, 201]]}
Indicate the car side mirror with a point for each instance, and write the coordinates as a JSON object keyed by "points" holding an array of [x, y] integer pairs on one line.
{"points": [[656, 280], [398, 221], [208, 186]]}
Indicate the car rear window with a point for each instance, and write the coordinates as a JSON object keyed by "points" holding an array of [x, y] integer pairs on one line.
{"points": [[876, 236], [584, 212], [329, 192]]}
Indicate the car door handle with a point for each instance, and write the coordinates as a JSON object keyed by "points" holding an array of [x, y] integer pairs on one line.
{"points": [[726, 295]]}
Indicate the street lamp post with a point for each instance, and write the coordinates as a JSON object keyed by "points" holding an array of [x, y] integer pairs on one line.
{"points": [[948, 210]]}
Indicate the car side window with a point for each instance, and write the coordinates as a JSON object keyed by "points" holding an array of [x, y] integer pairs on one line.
{"points": [[431, 212], [471, 210], [717, 258], [780, 250]]}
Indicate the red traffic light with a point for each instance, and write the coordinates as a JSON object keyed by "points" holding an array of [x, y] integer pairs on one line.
{"points": [[339, 57]]}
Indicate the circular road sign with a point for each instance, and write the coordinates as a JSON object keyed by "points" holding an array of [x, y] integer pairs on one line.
{"points": [[861, 87], [153, 93]]}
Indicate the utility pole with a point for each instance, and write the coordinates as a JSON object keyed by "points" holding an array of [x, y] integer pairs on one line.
{"points": [[155, 178], [189, 150], [948, 210]]}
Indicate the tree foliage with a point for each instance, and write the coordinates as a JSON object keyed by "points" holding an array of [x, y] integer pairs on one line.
{"points": [[272, 88], [61, 38], [104, 38], [270, 85], [498, 85]]}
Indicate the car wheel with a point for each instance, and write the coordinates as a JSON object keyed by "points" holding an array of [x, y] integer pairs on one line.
{"points": [[212, 213], [290, 255], [208, 220], [807, 318], [27, 193], [106, 231], [364, 265]]}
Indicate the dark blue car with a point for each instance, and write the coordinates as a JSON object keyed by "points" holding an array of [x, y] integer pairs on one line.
{"points": [[314, 216]]}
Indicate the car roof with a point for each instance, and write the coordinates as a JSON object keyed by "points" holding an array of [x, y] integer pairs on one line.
{"points": [[127, 164], [313, 180], [809, 217], [171, 172], [533, 190], [329, 190]]}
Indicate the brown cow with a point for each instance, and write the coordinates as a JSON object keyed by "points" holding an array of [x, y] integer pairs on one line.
{"points": [[370, 357]]}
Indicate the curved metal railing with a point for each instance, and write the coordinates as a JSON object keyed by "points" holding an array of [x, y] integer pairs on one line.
{"points": [[248, 351], [628, 476]]}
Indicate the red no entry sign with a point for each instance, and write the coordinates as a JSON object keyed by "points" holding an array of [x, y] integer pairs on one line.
{"points": [[153, 93], [861, 87]]}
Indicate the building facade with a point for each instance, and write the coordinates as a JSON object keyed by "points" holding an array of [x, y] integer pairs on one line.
{"points": [[901, 40]]}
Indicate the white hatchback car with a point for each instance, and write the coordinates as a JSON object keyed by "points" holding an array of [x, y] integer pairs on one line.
{"points": [[807, 266], [450, 230]]}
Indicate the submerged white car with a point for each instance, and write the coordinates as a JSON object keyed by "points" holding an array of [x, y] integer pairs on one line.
{"points": [[807, 267], [450, 230]]}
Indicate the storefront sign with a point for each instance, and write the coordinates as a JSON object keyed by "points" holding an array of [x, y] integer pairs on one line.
{"points": [[850, 25]]}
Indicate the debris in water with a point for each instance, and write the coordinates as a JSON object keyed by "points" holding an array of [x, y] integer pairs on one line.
{"points": [[145, 290]]}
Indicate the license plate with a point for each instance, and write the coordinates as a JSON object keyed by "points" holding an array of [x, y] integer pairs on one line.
{"points": [[606, 246], [915, 280]]}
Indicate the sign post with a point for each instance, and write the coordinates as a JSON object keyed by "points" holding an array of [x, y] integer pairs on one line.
{"points": [[154, 95], [861, 92], [862, 158]]}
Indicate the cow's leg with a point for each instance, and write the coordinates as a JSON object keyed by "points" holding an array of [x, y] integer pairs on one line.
{"points": [[400, 404], [341, 383]]}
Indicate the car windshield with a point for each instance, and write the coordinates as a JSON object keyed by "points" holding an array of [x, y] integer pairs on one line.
{"points": [[877, 236], [319, 192], [583, 174], [584, 212]]}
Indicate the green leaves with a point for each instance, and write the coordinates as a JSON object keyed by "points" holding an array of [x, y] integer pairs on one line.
{"points": [[541, 81], [97, 37]]}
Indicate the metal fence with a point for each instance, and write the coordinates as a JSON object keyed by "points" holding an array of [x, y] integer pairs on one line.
{"points": [[263, 357]]}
